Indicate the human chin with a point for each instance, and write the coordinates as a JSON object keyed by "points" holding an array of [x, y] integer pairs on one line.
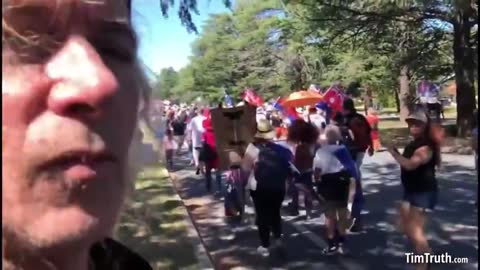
{"points": [[86, 219]]}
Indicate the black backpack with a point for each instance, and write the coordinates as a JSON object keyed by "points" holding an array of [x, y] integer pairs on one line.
{"points": [[271, 169], [348, 141]]}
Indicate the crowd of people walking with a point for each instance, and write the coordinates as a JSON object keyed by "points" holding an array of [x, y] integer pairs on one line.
{"points": [[317, 159]]}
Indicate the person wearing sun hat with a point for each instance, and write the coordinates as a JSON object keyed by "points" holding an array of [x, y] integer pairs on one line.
{"points": [[417, 172], [268, 166]]}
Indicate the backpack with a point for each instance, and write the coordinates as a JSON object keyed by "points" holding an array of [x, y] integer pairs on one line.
{"points": [[348, 141], [272, 167], [361, 131]]}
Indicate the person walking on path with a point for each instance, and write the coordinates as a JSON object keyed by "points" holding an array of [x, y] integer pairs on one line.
{"points": [[306, 136], [373, 120], [420, 189], [210, 156], [169, 145], [195, 134], [268, 165], [335, 185], [362, 143], [70, 106], [179, 125]]}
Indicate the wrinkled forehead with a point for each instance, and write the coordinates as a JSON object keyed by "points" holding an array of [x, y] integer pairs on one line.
{"points": [[65, 12]]}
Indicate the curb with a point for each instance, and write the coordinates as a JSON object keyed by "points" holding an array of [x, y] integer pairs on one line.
{"points": [[204, 258]]}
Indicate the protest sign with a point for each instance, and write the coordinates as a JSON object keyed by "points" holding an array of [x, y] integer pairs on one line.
{"points": [[234, 129]]}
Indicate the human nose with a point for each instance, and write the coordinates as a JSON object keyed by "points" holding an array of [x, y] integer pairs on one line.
{"points": [[82, 82]]}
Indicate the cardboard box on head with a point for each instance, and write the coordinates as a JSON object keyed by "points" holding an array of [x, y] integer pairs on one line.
{"points": [[234, 129]]}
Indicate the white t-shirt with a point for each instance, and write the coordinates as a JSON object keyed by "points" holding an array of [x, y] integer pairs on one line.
{"points": [[196, 130], [326, 161], [317, 120]]}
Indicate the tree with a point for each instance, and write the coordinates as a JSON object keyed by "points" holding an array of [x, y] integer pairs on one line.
{"points": [[167, 81], [185, 9], [355, 22]]}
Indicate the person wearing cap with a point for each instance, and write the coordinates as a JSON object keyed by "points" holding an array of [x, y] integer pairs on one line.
{"points": [[420, 189], [267, 188], [70, 103]]}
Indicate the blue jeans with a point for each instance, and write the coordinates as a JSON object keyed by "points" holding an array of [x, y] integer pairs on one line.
{"points": [[358, 200], [208, 178]]}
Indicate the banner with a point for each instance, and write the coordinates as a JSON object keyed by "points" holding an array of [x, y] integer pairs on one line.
{"points": [[234, 129], [427, 91]]}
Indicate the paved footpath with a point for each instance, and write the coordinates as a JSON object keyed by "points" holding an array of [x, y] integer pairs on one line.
{"points": [[452, 227]]}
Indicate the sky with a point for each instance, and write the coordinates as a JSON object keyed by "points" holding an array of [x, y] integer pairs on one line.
{"points": [[165, 42]]}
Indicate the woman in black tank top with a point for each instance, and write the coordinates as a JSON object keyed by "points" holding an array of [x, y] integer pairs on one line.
{"points": [[417, 166]]}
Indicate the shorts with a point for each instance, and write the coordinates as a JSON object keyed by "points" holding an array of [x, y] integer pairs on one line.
{"points": [[334, 188], [422, 200], [305, 178]]}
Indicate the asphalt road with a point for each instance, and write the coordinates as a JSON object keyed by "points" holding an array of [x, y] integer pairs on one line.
{"points": [[452, 227]]}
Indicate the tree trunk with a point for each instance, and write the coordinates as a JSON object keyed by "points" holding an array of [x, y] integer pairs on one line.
{"points": [[404, 95], [464, 73], [397, 100]]}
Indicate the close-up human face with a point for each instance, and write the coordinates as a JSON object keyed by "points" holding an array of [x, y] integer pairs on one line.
{"points": [[69, 110]]}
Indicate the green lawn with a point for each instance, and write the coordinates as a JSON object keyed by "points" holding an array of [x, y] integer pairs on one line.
{"points": [[154, 223]]}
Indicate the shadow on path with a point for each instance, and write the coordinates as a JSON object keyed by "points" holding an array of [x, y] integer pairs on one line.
{"points": [[452, 227]]}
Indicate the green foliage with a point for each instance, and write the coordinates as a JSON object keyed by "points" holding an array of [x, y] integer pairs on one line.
{"points": [[167, 80], [277, 47]]}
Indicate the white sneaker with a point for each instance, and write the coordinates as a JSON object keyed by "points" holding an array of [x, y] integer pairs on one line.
{"points": [[263, 251]]}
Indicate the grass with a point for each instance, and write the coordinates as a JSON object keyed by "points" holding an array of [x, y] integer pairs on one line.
{"points": [[154, 223]]}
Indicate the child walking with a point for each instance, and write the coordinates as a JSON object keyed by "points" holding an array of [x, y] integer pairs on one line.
{"points": [[170, 146]]}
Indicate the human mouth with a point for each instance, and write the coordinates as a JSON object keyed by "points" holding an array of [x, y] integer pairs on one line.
{"points": [[80, 166]]}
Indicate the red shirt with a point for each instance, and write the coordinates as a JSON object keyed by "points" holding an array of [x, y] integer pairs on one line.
{"points": [[209, 138]]}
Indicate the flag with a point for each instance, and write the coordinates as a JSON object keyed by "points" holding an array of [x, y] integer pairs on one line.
{"points": [[289, 112], [334, 98], [342, 154], [278, 104], [322, 105], [252, 98], [228, 99]]}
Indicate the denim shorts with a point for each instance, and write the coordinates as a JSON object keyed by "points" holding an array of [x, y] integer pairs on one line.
{"points": [[422, 200], [305, 178]]}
